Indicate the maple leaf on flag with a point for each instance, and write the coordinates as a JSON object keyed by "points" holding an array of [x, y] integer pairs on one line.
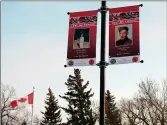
{"points": [[22, 100]]}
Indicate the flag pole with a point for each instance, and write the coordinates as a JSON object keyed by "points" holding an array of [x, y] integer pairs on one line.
{"points": [[32, 108]]}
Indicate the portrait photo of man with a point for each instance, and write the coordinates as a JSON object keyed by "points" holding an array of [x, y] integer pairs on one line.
{"points": [[122, 35], [81, 38]]}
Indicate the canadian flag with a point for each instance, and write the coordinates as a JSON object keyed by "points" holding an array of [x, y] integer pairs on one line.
{"points": [[24, 100]]}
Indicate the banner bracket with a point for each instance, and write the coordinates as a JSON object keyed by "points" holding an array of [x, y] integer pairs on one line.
{"points": [[102, 64], [141, 61], [103, 8], [141, 5]]}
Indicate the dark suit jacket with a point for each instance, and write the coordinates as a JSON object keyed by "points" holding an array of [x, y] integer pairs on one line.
{"points": [[125, 41]]}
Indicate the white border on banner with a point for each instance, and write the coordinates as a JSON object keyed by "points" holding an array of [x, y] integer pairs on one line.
{"points": [[81, 62], [123, 60]]}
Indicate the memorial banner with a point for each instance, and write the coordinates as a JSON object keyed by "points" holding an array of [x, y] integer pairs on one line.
{"points": [[81, 50], [124, 42]]}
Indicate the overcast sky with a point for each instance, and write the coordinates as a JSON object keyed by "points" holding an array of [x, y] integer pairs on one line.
{"points": [[34, 46]]}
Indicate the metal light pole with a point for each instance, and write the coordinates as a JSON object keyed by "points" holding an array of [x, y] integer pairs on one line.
{"points": [[0, 105], [102, 63]]}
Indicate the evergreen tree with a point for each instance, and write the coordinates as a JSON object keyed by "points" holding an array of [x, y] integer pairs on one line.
{"points": [[78, 98], [24, 123], [52, 114], [112, 113]]}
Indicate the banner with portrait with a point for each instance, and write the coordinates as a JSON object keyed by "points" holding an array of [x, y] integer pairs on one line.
{"points": [[81, 50], [124, 42]]}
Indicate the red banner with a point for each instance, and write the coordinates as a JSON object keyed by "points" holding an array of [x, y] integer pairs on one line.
{"points": [[124, 35], [81, 49]]}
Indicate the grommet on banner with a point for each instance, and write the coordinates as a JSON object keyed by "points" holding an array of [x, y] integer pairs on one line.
{"points": [[141, 5], [68, 13], [141, 61]]}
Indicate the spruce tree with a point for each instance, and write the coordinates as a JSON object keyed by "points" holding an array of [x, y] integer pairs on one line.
{"points": [[24, 123], [52, 114], [78, 98], [112, 113]]}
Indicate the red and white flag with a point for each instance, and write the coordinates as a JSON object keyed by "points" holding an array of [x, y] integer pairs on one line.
{"points": [[22, 101]]}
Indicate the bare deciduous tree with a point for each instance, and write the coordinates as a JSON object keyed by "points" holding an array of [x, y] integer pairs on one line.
{"points": [[95, 109], [36, 120], [148, 106], [6, 115], [9, 115], [25, 116]]}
